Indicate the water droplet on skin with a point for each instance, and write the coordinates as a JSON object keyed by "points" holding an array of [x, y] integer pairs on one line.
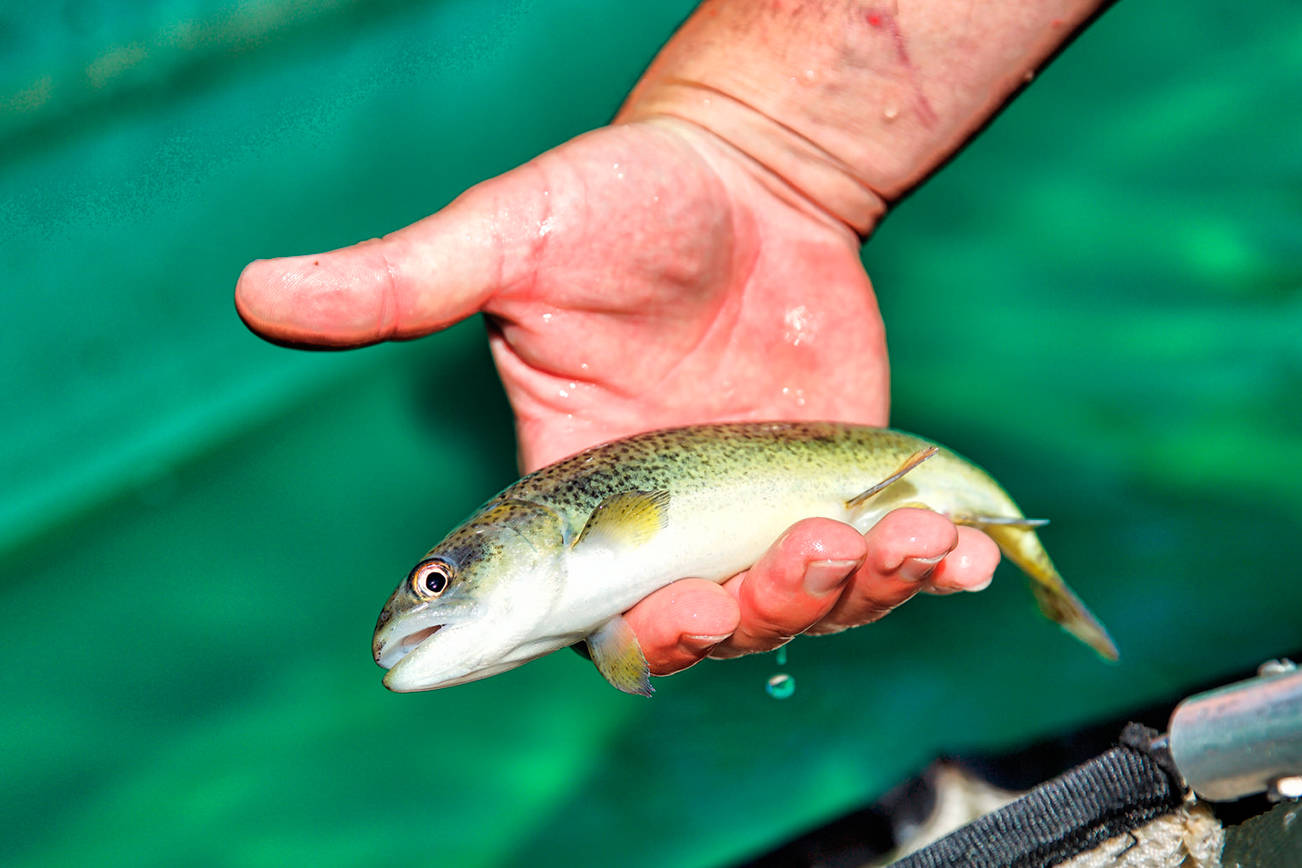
{"points": [[780, 686], [800, 325]]}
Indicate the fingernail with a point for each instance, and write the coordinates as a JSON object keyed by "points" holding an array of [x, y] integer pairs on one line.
{"points": [[699, 644], [917, 569], [822, 577]]}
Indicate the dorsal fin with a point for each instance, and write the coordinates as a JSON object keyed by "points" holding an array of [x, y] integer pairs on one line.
{"points": [[909, 463]]}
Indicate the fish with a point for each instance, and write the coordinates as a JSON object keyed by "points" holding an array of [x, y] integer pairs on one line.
{"points": [[556, 558]]}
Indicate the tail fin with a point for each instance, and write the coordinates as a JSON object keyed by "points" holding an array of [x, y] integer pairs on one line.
{"points": [[1021, 545], [1059, 604]]}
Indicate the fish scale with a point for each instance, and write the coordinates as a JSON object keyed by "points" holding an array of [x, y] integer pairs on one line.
{"points": [[700, 456]]}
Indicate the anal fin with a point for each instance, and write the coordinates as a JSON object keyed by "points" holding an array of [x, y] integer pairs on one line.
{"points": [[617, 655], [996, 520]]}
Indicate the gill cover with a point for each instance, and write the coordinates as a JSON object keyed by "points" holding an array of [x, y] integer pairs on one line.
{"points": [[471, 607]]}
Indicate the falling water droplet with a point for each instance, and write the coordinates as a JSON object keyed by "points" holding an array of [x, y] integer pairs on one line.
{"points": [[781, 686]]}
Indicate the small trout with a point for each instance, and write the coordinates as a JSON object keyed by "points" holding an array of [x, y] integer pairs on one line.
{"points": [[557, 557]]}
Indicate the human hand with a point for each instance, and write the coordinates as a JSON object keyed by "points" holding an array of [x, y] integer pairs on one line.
{"points": [[639, 276], [669, 269]]}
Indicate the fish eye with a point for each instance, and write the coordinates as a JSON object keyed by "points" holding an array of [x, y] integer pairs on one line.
{"points": [[430, 578]]}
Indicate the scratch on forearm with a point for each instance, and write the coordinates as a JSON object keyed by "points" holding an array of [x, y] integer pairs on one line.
{"points": [[882, 18]]}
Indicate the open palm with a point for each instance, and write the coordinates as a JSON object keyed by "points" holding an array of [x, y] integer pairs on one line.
{"points": [[640, 276]]}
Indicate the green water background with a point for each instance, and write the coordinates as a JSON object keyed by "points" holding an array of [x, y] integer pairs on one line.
{"points": [[1100, 300]]}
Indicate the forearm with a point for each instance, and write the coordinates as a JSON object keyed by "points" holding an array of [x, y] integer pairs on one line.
{"points": [[851, 104]]}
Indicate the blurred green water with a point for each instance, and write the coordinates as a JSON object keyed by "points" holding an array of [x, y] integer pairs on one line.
{"points": [[1101, 301]]}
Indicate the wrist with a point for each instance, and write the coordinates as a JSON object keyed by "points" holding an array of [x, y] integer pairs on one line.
{"points": [[846, 104]]}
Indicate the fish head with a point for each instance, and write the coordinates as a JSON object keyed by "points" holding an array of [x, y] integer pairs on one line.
{"points": [[475, 605]]}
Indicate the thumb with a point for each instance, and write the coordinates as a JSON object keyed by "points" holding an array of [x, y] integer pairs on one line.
{"points": [[409, 283]]}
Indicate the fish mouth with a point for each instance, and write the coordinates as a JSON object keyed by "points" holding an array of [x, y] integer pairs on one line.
{"points": [[389, 653]]}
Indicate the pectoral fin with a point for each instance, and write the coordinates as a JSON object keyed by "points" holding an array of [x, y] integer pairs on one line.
{"points": [[909, 463], [627, 519], [618, 657]]}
